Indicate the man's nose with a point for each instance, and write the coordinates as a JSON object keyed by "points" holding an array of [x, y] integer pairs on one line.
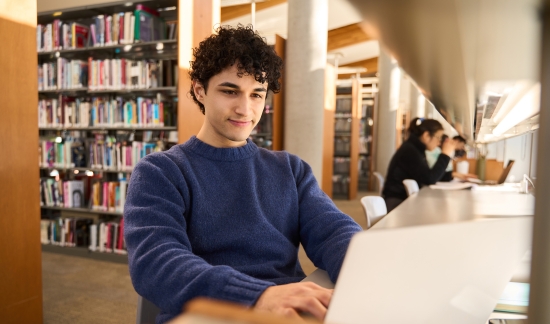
{"points": [[244, 106]]}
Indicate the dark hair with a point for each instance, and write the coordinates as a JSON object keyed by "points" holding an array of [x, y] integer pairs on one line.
{"points": [[419, 125], [232, 45], [460, 139], [443, 138]]}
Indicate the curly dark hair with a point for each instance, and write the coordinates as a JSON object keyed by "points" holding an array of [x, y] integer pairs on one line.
{"points": [[239, 45]]}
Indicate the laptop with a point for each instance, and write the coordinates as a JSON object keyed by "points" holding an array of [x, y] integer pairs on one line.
{"points": [[501, 179], [446, 273]]}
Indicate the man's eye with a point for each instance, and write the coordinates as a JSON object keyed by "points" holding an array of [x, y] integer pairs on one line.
{"points": [[257, 95], [231, 92]]}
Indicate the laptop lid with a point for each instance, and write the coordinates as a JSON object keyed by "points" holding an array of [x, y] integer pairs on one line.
{"points": [[445, 273], [505, 172]]}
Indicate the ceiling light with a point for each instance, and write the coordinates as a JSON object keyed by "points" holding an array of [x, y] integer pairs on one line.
{"points": [[526, 107], [128, 4], [57, 13]]}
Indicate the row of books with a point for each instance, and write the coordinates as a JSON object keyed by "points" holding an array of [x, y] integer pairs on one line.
{"points": [[123, 74], [109, 196], [108, 74], [63, 74], [106, 112], [142, 25], [107, 236], [104, 153], [59, 35], [69, 194]]}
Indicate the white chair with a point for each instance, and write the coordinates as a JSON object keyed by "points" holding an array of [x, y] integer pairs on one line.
{"points": [[375, 209], [146, 311], [411, 186], [380, 179]]}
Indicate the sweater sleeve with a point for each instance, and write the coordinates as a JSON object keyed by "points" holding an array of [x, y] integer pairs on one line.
{"points": [[162, 265], [417, 167], [325, 231]]}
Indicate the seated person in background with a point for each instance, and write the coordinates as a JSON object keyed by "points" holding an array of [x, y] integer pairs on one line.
{"points": [[409, 161], [219, 217], [431, 157]]}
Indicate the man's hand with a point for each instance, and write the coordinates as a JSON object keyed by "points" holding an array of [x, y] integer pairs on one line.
{"points": [[290, 299]]}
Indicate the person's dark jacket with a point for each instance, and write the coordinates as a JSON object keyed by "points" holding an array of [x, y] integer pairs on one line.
{"points": [[409, 162]]}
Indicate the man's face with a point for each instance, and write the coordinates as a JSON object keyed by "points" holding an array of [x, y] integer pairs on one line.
{"points": [[233, 107]]}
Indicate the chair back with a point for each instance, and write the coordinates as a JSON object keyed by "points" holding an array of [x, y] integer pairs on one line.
{"points": [[375, 209], [146, 311], [411, 186], [380, 180]]}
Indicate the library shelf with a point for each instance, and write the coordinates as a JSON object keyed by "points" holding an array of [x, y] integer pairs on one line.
{"points": [[83, 210], [121, 128], [133, 48], [84, 252], [84, 169], [136, 92]]}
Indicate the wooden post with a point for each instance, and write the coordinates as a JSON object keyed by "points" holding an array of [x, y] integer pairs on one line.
{"points": [[20, 254], [356, 101], [278, 101], [328, 134], [196, 21]]}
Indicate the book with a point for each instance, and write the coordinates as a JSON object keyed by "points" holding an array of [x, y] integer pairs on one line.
{"points": [[514, 299]]}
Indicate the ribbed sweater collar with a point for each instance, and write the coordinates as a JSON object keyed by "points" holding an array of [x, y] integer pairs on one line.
{"points": [[415, 141], [220, 154]]}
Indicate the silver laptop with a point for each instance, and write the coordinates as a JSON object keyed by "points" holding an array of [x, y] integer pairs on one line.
{"points": [[447, 273]]}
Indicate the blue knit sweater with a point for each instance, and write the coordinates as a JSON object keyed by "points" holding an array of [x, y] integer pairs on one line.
{"points": [[226, 223]]}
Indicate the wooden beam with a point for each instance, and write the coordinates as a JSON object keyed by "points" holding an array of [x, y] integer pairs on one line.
{"points": [[196, 19], [371, 65], [232, 12], [278, 101], [345, 36], [328, 134]]}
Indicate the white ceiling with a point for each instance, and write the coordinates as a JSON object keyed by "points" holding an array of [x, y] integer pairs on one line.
{"points": [[273, 20]]}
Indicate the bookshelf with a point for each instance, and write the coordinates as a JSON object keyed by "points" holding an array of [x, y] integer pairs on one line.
{"points": [[97, 127], [105, 100], [353, 134]]}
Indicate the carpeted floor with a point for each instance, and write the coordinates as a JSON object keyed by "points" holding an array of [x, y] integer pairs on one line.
{"points": [[81, 290]]}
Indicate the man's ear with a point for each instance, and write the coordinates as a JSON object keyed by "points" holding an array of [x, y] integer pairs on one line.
{"points": [[199, 91]]}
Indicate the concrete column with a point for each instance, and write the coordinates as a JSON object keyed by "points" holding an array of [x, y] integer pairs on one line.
{"points": [[387, 111], [306, 58]]}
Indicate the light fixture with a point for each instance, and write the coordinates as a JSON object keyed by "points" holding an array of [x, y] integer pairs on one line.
{"points": [[510, 98], [76, 171], [160, 46], [89, 173], [58, 139], [127, 48], [167, 8], [524, 107], [128, 4], [57, 13], [54, 173]]}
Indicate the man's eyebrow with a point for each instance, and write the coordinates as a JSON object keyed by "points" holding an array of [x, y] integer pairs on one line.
{"points": [[234, 86]]}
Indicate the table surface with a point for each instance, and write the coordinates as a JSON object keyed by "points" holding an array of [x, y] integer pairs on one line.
{"points": [[433, 206]]}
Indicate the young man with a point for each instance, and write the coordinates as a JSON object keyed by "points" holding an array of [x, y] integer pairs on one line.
{"points": [[219, 217]]}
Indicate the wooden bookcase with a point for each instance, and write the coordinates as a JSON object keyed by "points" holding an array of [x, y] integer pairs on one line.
{"points": [[353, 133], [161, 49], [21, 269], [197, 19]]}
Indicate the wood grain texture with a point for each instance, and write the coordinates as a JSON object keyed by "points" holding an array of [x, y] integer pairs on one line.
{"points": [[356, 99], [328, 133], [346, 36], [21, 269], [279, 101], [190, 118], [241, 10], [370, 64]]}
